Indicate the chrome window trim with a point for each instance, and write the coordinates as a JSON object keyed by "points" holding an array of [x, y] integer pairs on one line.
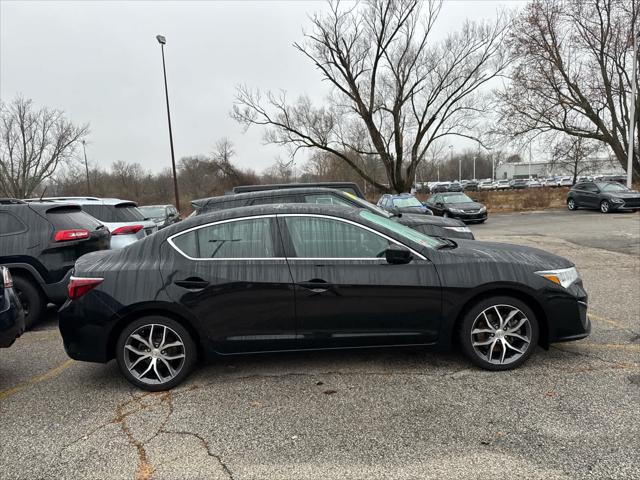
{"points": [[364, 227], [375, 259]]}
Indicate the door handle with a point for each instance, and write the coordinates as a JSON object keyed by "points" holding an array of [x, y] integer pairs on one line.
{"points": [[316, 285], [192, 283]]}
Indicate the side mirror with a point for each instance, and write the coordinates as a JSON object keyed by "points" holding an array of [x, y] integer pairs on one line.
{"points": [[397, 256], [439, 204]]}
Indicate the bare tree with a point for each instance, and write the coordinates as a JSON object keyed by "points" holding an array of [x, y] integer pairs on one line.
{"points": [[394, 90], [573, 72], [33, 143], [575, 155]]}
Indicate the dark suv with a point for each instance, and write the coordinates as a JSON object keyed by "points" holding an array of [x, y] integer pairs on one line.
{"points": [[427, 224], [39, 243]]}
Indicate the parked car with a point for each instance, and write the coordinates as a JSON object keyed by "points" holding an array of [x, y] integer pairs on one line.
{"points": [[39, 243], [502, 185], [427, 224], [605, 196], [403, 203], [296, 277], [455, 187], [349, 187], [124, 220], [519, 183], [440, 187], [11, 313], [162, 215], [457, 205], [486, 185], [565, 182], [533, 183], [471, 186]]}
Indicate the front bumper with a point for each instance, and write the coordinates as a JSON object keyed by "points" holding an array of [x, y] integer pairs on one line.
{"points": [[469, 217], [11, 319], [567, 314]]}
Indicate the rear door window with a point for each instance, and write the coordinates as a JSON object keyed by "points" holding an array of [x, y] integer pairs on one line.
{"points": [[126, 212], [71, 218]]}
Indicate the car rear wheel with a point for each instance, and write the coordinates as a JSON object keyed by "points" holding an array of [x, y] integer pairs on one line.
{"points": [[155, 353], [571, 204], [604, 206], [499, 333], [31, 298]]}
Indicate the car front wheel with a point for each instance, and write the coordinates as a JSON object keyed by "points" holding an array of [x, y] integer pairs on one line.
{"points": [[31, 299], [155, 353], [604, 206], [571, 204], [499, 333]]}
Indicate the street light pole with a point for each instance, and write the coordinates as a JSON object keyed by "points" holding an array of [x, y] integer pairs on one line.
{"points": [[162, 41], [86, 166], [474, 167], [632, 110]]}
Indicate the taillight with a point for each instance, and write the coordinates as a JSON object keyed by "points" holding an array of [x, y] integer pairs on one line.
{"points": [[78, 286], [127, 230], [7, 281], [75, 234]]}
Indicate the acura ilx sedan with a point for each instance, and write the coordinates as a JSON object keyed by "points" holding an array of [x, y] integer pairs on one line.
{"points": [[294, 277]]}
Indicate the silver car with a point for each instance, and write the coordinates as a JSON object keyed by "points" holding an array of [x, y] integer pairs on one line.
{"points": [[124, 220]]}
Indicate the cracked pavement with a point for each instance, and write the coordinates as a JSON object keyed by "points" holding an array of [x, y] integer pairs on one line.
{"points": [[570, 412]]}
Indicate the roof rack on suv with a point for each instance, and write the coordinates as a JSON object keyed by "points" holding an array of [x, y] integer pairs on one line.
{"points": [[11, 201]]}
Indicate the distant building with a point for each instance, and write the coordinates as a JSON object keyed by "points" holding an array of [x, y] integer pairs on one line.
{"points": [[597, 166]]}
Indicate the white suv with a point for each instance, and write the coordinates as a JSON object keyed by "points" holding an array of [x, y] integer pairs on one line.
{"points": [[124, 220]]}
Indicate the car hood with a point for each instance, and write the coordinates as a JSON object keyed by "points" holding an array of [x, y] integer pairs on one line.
{"points": [[465, 205], [504, 253], [632, 194], [412, 220]]}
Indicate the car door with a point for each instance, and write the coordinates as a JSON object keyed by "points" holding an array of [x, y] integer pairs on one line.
{"points": [[233, 277], [590, 195], [438, 206], [348, 295]]}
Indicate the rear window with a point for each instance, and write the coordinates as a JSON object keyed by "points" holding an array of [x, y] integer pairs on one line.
{"points": [[71, 218], [115, 213]]}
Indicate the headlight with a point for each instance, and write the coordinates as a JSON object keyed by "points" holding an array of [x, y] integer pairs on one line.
{"points": [[459, 229], [455, 210], [483, 209], [564, 276], [617, 200]]}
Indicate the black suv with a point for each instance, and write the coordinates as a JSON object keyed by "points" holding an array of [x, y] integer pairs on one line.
{"points": [[39, 243], [427, 224], [348, 187]]}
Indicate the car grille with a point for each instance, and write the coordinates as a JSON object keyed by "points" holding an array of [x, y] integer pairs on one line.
{"points": [[632, 202], [471, 210]]}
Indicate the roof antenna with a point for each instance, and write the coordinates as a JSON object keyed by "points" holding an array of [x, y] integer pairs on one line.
{"points": [[43, 192]]}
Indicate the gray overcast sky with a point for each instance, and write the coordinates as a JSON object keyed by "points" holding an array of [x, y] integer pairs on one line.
{"points": [[101, 64]]}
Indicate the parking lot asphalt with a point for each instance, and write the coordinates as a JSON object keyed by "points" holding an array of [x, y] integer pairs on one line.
{"points": [[569, 412]]}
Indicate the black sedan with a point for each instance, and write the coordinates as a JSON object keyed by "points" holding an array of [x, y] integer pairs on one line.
{"points": [[457, 205], [294, 277], [604, 196], [11, 313]]}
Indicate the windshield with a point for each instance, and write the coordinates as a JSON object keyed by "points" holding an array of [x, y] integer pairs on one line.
{"points": [[152, 212], [459, 198], [405, 232], [370, 206], [612, 187], [406, 202]]}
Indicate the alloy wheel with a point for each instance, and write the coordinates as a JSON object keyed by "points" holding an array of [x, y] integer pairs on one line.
{"points": [[571, 204], [604, 206], [501, 334], [154, 354]]}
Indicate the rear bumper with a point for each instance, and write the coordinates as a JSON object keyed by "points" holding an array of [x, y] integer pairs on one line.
{"points": [[11, 319], [57, 292]]}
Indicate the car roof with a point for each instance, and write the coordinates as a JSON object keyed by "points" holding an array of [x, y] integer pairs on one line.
{"points": [[280, 186], [203, 202]]}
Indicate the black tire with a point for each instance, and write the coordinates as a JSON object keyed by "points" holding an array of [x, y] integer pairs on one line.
{"points": [[189, 350], [571, 204], [475, 312], [32, 299], [605, 206]]}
